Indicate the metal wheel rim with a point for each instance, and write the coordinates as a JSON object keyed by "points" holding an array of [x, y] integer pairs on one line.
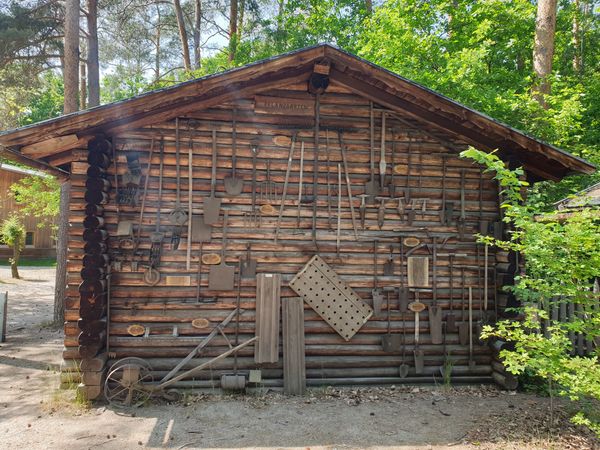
{"points": [[130, 360], [127, 394]]}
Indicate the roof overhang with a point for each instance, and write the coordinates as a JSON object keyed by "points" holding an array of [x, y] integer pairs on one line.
{"points": [[542, 160]]}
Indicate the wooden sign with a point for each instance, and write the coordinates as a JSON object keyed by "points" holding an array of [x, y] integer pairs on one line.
{"points": [[286, 106]]}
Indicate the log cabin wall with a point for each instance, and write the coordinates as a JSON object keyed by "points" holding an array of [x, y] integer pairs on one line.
{"points": [[329, 358]]}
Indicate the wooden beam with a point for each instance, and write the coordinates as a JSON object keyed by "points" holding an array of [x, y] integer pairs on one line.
{"points": [[394, 85], [111, 115], [54, 145], [396, 103], [14, 155], [220, 95]]}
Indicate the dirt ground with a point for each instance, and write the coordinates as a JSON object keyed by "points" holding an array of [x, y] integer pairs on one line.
{"points": [[34, 414]]}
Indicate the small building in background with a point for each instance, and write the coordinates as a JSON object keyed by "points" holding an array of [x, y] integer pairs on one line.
{"points": [[39, 241], [589, 197]]}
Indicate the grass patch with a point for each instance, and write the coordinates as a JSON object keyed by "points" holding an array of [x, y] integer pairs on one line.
{"points": [[31, 262]]}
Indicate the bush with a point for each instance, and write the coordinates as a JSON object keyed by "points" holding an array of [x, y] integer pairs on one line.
{"points": [[562, 261], [12, 233]]}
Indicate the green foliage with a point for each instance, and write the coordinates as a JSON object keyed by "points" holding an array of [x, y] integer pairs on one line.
{"points": [[480, 53], [12, 232], [562, 261], [45, 102], [122, 84], [38, 197]]}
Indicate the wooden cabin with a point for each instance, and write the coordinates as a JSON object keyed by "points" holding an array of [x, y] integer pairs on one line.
{"points": [[39, 240], [150, 274]]}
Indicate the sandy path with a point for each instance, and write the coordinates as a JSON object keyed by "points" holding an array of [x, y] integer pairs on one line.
{"points": [[35, 415]]}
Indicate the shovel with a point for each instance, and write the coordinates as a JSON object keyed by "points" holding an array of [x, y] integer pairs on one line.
{"points": [[372, 186], [451, 317], [417, 307], [382, 162], [222, 276], [212, 205], [233, 184], [392, 184], [381, 212], [403, 367], [178, 216], [362, 210], [403, 293], [463, 327], [471, 361], [435, 312], [388, 267], [198, 230], [248, 267], [462, 218], [376, 292], [390, 342], [156, 237], [300, 177]]}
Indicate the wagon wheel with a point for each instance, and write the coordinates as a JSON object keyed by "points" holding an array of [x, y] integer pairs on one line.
{"points": [[124, 385], [130, 360]]}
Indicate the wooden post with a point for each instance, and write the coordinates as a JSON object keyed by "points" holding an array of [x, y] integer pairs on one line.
{"points": [[3, 311]]}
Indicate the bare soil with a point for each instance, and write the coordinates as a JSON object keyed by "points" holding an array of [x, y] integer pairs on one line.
{"points": [[34, 414]]}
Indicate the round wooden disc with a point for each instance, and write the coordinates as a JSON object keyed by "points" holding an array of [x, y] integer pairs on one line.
{"points": [[136, 329], [283, 141], [416, 306], [151, 276], [200, 322], [267, 210], [211, 259], [398, 169], [411, 241]]}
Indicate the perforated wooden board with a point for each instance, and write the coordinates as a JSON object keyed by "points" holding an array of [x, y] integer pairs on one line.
{"points": [[331, 298]]}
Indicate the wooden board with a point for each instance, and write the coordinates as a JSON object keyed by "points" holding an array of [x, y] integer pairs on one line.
{"points": [[286, 106], [418, 271], [331, 298], [268, 289], [178, 280], [294, 365]]}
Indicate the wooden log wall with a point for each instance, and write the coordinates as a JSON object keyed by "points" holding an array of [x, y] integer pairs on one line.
{"points": [[329, 358]]}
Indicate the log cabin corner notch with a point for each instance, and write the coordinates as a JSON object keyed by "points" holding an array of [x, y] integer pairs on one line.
{"points": [[295, 146]]}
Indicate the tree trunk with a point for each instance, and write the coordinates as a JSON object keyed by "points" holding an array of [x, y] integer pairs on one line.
{"points": [[82, 85], [543, 49], [197, 24], [182, 35], [71, 56], [157, 43], [93, 65], [576, 38], [369, 6], [62, 238], [233, 34], [14, 262]]}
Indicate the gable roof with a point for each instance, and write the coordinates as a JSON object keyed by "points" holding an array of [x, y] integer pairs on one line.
{"points": [[589, 196], [541, 160]]}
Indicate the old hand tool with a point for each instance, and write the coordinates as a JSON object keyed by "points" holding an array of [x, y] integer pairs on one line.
{"points": [[372, 186], [233, 184], [285, 186], [382, 162], [417, 307], [376, 292], [178, 216], [212, 204]]}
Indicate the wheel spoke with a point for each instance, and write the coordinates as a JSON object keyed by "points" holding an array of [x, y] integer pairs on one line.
{"points": [[114, 395]]}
